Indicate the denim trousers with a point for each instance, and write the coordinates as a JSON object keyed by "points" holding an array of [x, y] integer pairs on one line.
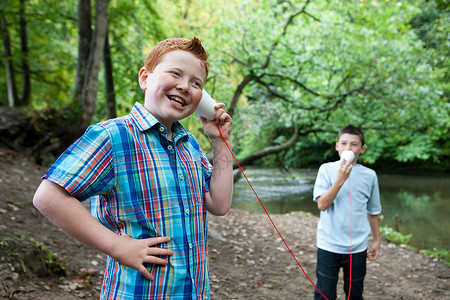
{"points": [[327, 271]]}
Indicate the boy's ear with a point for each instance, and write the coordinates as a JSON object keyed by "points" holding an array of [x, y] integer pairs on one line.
{"points": [[363, 149], [143, 79]]}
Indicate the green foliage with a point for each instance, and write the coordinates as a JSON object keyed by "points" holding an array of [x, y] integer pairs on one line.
{"points": [[134, 27], [48, 260], [394, 237], [439, 254], [367, 52], [52, 43], [381, 65], [397, 238]]}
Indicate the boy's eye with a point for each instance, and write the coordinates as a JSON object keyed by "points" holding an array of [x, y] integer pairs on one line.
{"points": [[196, 83], [176, 73]]}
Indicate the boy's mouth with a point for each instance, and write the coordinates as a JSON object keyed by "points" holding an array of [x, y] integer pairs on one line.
{"points": [[177, 100]]}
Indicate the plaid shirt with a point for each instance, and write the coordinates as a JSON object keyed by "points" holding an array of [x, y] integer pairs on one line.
{"points": [[139, 181]]}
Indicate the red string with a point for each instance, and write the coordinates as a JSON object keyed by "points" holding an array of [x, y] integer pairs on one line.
{"points": [[273, 224], [351, 238]]}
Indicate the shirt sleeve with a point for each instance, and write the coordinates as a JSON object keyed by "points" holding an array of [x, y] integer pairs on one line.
{"points": [[85, 169], [322, 183], [374, 204], [207, 169]]}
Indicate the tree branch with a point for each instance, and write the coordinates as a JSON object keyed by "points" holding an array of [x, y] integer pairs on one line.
{"points": [[238, 93], [272, 149], [248, 78], [283, 33]]}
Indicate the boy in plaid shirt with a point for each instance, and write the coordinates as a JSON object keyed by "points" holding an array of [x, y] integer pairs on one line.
{"points": [[149, 183]]}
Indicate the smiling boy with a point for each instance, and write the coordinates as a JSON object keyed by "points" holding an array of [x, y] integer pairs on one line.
{"points": [[149, 183], [336, 183]]}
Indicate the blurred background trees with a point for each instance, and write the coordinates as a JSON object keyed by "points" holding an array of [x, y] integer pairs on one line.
{"points": [[291, 73]]}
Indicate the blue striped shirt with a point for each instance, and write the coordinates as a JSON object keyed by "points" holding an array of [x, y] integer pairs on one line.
{"points": [[142, 183]]}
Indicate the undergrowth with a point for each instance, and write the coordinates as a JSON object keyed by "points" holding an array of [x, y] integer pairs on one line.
{"points": [[398, 238], [24, 255]]}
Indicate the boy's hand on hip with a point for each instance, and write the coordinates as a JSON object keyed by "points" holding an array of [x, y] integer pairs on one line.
{"points": [[134, 253]]}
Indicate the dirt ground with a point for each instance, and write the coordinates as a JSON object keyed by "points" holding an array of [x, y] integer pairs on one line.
{"points": [[247, 258]]}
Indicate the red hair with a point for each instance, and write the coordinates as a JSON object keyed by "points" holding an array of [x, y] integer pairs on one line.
{"points": [[193, 46]]}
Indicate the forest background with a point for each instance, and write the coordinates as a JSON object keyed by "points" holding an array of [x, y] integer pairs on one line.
{"points": [[291, 73]]}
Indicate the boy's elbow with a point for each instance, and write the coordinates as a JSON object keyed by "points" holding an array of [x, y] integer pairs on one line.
{"points": [[220, 211], [321, 207], [44, 194], [39, 199], [218, 205]]}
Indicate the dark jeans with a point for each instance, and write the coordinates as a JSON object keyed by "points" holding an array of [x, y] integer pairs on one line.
{"points": [[328, 265]]}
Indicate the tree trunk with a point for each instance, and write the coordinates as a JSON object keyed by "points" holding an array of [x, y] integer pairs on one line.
{"points": [[9, 68], [110, 95], [90, 84], [26, 85], [84, 41]]}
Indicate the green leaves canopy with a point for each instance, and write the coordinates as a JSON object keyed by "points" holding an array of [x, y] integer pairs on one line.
{"points": [[382, 65], [336, 63]]}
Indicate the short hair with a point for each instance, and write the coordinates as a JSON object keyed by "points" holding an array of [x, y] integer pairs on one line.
{"points": [[193, 46], [350, 129]]}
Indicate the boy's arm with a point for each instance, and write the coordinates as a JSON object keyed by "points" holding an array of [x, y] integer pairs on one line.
{"points": [[326, 199], [372, 254], [70, 215], [218, 200]]}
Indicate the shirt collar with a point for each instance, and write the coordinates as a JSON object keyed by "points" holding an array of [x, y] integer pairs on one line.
{"points": [[144, 120]]}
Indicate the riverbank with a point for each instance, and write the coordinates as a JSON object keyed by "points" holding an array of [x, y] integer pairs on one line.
{"points": [[259, 265], [247, 258], [412, 204]]}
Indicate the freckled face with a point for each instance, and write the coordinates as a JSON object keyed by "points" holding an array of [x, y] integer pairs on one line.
{"points": [[350, 142], [174, 89]]}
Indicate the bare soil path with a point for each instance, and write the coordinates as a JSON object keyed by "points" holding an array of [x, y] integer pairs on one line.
{"points": [[247, 258]]}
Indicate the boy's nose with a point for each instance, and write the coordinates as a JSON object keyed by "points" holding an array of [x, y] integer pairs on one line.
{"points": [[183, 85]]}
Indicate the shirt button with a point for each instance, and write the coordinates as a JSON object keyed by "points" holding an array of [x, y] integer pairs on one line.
{"points": [[161, 129], [190, 246], [187, 211], [169, 147], [181, 177]]}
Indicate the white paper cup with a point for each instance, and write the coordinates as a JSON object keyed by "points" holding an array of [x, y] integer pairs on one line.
{"points": [[206, 107], [348, 155]]}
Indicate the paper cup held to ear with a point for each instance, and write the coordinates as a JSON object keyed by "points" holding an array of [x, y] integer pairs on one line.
{"points": [[206, 107]]}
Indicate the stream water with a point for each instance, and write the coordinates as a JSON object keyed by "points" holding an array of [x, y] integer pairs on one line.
{"points": [[412, 204]]}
